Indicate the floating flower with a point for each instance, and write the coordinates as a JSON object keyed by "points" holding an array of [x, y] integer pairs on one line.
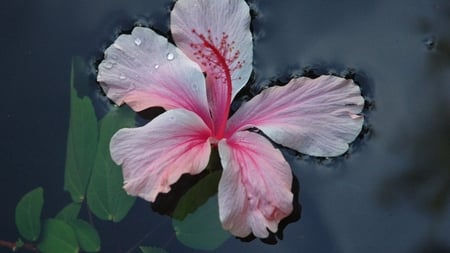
{"points": [[196, 83]]}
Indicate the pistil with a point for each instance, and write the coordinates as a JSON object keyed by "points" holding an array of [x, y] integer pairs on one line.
{"points": [[218, 62]]}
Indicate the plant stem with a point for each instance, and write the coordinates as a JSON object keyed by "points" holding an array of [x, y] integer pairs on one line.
{"points": [[13, 246]]}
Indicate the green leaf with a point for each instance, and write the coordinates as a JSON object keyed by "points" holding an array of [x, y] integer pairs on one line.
{"points": [[28, 214], [81, 138], [87, 236], [201, 229], [19, 243], [70, 212], [152, 250], [197, 195], [57, 237], [105, 196]]}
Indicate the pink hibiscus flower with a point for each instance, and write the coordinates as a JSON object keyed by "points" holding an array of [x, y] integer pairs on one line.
{"points": [[196, 82]]}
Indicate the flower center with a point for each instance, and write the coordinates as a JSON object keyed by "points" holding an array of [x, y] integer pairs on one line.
{"points": [[219, 62]]}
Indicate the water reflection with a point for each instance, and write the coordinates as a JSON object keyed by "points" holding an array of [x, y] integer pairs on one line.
{"points": [[438, 44], [433, 247], [425, 183]]}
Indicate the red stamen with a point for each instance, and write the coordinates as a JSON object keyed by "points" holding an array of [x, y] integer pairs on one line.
{"points": [[221, 62]]}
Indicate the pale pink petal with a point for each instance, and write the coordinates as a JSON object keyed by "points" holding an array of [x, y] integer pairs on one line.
{"points": [[224, 25], [144, 70], [216, 34], [155, 156], [255, 187], [314, 116]]}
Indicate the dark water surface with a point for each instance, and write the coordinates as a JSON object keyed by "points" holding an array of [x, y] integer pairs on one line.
{"points": [[391, 193]]}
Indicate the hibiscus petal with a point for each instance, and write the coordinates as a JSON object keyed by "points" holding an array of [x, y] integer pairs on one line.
{"points": [[225, 25], [155, 156], [318, 116], [144, 70], [216, 34], [255, 187]]}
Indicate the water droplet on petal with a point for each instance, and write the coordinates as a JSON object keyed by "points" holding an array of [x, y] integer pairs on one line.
{"points": [[122, 77], [137, 41], [156, 66], [108, 65], [195, 87], [170, 56]]}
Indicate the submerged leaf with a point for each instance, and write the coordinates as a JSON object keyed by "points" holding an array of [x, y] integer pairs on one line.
{"points": [[202, 229], [28, 214], [70, 212], [105, 196], [87, 236], [152, 250], [196, 219], [57, 237], [81, 138], [201, 192]]}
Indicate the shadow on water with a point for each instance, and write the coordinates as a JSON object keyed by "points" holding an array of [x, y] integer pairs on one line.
{"points": [[293, 217], [425, 183], [433, 247], [167, 203]]}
